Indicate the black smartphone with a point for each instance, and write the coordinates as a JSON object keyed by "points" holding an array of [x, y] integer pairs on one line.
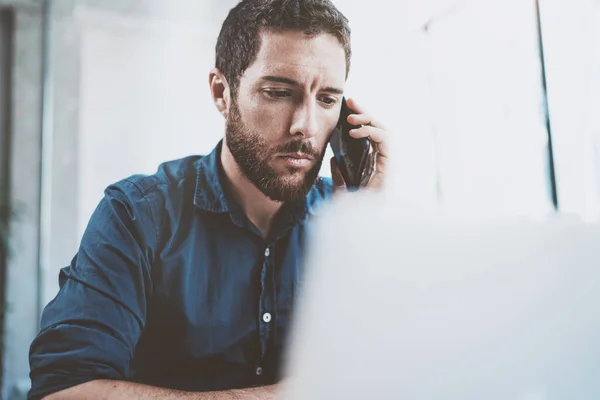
{"points": [[350, 154]]}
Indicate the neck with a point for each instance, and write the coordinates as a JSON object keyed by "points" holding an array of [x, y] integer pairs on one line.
{"points": [[259, 209]]}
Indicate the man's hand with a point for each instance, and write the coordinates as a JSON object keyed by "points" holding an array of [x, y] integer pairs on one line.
{"points": [[378, 137]]}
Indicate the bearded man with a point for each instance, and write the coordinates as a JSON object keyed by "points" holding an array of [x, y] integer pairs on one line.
{"points": [[184, 283]]}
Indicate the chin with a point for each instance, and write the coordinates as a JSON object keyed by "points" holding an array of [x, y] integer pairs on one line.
{"points": [[296, 181]]}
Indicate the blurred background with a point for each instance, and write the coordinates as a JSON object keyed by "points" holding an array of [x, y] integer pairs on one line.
{"points": [[494, 105]]}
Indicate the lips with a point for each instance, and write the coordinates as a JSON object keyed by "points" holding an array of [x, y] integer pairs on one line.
{"points": [[296, 160], [297, 156]]}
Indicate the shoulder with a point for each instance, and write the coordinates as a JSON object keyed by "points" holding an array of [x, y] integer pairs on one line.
{"points": [[171, 178], [170, 174], [146, 202], [151, 198]]}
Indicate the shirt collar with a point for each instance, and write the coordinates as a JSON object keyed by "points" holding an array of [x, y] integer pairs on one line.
{"points": [[210, 195]]}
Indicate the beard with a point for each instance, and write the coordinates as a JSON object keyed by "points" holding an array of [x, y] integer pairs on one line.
{"points": [[253, 154]]}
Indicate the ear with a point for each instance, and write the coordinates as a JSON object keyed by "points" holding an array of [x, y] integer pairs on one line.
{"points": [[220, 91]]}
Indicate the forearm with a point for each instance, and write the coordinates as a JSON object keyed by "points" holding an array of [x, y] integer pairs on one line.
{"points": [[121, 390]]}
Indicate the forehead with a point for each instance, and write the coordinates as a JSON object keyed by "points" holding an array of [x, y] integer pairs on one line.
{"points": [[300, 56]]}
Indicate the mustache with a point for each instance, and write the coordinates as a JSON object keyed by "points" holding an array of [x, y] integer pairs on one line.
{"points": [[300, 146]]}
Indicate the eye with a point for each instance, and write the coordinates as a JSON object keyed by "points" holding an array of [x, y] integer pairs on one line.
{"points": [[328, 101], [278, 94]]}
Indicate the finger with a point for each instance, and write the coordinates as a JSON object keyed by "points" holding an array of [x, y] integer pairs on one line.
{"points": [[360, 115], [336, 176], [363, 119], [377, 136]]}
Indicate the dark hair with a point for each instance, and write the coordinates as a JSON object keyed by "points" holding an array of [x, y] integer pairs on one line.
{"points": [[239, 40]]}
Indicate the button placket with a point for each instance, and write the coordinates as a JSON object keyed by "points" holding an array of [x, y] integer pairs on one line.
{"points": [[267, 303]]}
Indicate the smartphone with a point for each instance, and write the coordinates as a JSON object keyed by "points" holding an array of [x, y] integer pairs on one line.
{"points": [[350, 154]]}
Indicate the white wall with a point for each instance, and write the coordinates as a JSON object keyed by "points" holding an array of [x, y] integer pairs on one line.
{"points": [[463, 98], [144, 100]]}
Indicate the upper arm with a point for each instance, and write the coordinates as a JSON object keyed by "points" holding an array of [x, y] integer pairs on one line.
{"points": [[90, 330]]}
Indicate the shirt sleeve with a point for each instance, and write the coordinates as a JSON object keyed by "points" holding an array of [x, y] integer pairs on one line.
{"points": [[89, 331]]}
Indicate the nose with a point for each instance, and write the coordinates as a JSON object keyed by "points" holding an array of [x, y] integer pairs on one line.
{"points": [[304, 121]]}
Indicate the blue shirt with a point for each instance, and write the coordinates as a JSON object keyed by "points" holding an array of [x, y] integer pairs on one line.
{"points": [[173, 286]]}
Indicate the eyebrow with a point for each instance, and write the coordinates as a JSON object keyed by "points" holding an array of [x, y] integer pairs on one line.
{"points": [[288, 81]]}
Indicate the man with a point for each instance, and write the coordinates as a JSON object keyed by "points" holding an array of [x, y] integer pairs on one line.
{"points": [[184, 282]]}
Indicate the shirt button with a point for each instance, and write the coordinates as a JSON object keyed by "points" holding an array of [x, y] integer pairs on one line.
{"points": [[267, 317], [267, 252], [258, 371]]}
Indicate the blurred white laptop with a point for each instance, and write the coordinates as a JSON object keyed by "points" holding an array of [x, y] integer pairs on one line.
{"points": [[401, 306]]}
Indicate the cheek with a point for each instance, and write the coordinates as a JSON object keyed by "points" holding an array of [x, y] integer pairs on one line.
{"points": [[328, 127], [322, 140], [269, 121]]}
